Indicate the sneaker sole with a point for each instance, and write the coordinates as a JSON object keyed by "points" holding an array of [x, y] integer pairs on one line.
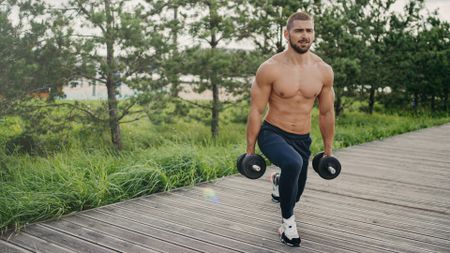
{"points": [[289, 244], [275, 199], [284, 240]]}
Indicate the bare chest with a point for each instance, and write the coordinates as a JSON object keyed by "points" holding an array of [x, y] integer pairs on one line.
{"points": [[305, 83]]}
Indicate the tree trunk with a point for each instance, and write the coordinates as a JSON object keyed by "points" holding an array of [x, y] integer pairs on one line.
{"points": [[113, 112], [215, 109], [110, 82], [174, 89], [371, 99], [213, 77]]}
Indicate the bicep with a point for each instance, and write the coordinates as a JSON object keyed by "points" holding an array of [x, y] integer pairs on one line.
{"points": [[326, 96], [326, 99], [260, 92]]}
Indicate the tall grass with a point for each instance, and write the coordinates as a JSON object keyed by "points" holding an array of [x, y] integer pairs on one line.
{"points": [[88, 174]]}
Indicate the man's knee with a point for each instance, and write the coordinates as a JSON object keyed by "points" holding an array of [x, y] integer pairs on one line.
{"points": [[293, 165]]}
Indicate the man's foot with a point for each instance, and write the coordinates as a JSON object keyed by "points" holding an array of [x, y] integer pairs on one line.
{"points": [[275, 178], [288, 232]]}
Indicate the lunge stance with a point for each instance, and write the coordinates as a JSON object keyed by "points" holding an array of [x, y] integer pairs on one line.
{"points": [[289, 82]]}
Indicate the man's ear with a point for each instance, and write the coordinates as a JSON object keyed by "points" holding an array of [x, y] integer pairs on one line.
{"points": [[286, 33]]}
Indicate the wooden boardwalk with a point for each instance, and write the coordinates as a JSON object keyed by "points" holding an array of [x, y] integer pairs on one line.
{"points": [[392, 196]]}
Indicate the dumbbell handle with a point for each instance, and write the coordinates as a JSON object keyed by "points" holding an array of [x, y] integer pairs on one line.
{"points": [[256, 167], [332, 170]]}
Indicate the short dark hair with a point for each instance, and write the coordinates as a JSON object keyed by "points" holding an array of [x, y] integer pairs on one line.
{"points": [[301, 15]]}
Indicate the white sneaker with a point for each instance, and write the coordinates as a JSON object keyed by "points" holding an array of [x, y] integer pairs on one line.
{"points": [[275, 178], [288, 232]]}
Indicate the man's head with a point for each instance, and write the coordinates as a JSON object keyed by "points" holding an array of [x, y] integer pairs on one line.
{"points": [[300, 31]]}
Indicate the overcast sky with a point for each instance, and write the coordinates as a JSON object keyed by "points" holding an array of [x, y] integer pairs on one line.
{"points": [[443, 5]]}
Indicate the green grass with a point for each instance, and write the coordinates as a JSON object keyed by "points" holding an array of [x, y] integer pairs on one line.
{"points": [[87, 174]]}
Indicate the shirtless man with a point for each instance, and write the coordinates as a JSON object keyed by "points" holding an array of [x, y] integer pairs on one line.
{"points": [[289, 82]]}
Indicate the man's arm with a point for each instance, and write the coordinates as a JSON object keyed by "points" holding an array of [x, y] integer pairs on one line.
{"points": [[260, 92], [326, 111]]}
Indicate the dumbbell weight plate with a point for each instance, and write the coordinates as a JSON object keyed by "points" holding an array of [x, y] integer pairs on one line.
{"points": [[239, 163], [324, 168], [253, 166], [316, 161]]}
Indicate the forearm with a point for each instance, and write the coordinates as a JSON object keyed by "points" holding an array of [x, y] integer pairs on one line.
{"points": [[253, 127], [326, 124]]}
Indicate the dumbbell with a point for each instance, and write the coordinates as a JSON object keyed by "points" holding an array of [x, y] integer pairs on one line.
{"points": [[251, 166], [327, 167]]}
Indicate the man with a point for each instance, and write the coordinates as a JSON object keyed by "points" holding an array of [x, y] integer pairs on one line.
{"points": [[289, 83]]}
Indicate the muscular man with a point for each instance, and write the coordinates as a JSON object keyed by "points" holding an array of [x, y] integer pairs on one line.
{"points": [[288, 83]]}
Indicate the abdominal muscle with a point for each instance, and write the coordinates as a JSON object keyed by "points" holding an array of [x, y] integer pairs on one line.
{"points": [[290, 116]]}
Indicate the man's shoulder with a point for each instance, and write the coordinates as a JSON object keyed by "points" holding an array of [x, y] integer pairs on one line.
{"points": [[325, 69], [321, 63], [268, 70], [270, 64]]}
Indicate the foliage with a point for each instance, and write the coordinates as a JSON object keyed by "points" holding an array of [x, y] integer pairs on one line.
{"points": [[87, 174], [397, 59]]}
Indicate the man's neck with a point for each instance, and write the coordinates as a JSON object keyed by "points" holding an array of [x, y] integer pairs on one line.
{"points": [[298, 59]]}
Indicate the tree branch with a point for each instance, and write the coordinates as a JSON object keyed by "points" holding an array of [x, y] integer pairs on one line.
{"points": [[92, 78], [194, 103], [126, 110], [73, 106], [86, 12], [133, 120]]}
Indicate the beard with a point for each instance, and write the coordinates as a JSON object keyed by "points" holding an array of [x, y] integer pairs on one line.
{"points": [[297, 48]]}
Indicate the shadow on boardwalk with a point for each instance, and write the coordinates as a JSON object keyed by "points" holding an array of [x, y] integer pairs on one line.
{"points": [[392, 196]]}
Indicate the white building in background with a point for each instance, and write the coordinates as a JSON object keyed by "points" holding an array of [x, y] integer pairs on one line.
{"points": [[86, 91]]}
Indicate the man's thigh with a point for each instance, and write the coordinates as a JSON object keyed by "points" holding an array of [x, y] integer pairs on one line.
{"points": [[277, 149]]}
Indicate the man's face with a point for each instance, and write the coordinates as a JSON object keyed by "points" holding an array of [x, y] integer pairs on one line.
{"points": [[301, 35]]}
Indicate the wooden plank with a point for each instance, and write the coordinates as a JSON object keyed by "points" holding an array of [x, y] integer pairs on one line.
{"points": [[36, 244], [380, 172], [146, 237], [412, 151], [128, 233], [352, 220], [65, 240], [400, 156], [381, 218], [376, 193], [249, 216], [314, 237], [249, 204], [368, 158], [397, 191], [96, 237], [439, 166], [385, 197], [221, 226], [165, 234], [331, 196], [180, 230], [6, 247]]}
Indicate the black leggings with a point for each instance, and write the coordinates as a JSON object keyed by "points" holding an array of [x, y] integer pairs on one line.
{"points": [[291, 153]]}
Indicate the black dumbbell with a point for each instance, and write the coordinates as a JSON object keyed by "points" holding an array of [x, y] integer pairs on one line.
{"points": [[327, 167], [251, 166]]}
